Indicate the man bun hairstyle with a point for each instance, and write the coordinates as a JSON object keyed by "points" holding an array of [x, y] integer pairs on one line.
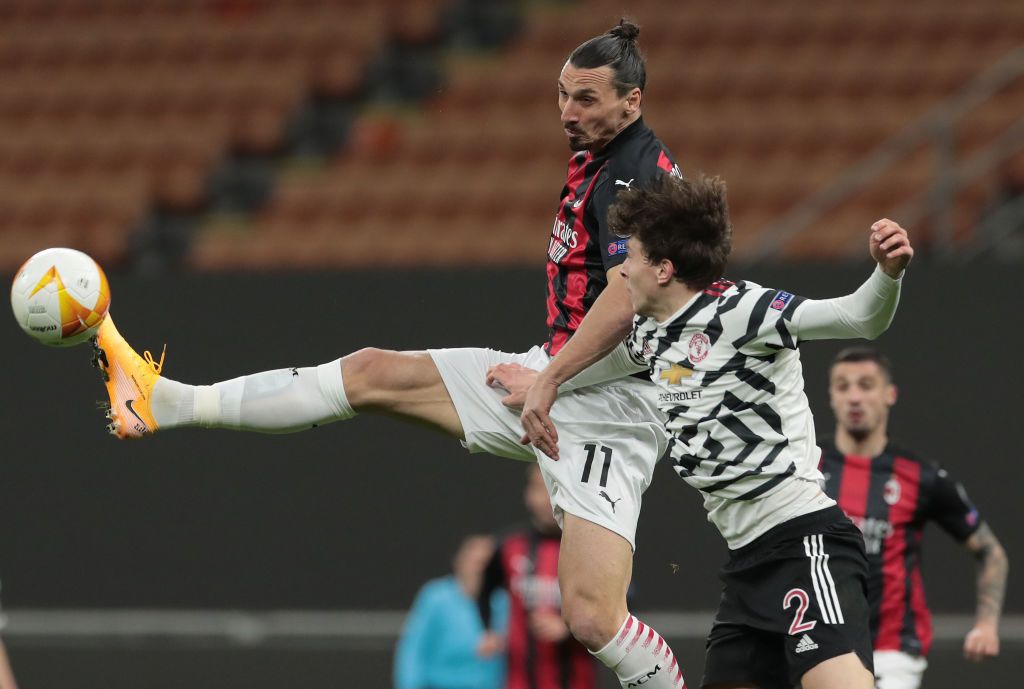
{"points": [[686, 222], [617, 49]]}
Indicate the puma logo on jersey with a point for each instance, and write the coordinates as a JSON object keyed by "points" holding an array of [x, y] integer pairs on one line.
{"points": [[609, 499], [625, 184]]}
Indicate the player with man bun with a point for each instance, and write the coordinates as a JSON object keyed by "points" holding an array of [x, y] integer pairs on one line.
{"points": [[616, 428]]}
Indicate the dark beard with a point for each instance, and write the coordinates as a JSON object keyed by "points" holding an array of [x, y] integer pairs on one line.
{"points": [[858, 434], [577, 145]]}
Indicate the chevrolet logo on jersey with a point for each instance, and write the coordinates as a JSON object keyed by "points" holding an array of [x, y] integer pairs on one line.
{"points": [[676, 373]]}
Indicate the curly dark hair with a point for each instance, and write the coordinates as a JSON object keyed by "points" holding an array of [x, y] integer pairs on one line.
{"points": [[617, 48], [686, 222]]}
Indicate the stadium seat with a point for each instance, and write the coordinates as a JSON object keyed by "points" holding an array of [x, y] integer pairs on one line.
{"points": [[780, 99]]}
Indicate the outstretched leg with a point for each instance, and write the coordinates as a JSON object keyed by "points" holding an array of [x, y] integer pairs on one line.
{"points": [[406, 385]]}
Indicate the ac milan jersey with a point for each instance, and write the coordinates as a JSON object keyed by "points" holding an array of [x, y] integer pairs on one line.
{"points": [[581, 249], [526, 565], [891, 497]]}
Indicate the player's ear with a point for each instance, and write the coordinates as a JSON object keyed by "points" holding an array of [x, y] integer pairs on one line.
{"points": [[666, 271], [891, 393], [633, 100]]}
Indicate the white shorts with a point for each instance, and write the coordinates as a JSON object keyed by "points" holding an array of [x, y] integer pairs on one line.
{"points": [[610, 436], [898, 670]]}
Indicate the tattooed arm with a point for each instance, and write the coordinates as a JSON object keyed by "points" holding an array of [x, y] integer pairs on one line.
{"points": [[983, 640]]}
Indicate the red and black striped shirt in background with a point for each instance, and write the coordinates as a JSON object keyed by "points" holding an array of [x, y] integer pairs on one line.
{"points": [[581, 249], [890, 498], [526, 565]]}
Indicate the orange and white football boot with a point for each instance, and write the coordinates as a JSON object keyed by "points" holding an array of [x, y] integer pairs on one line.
{"points": [[129, 379]]}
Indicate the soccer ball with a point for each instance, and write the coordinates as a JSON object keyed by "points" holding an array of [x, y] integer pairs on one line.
{"points": [[60, 297]]}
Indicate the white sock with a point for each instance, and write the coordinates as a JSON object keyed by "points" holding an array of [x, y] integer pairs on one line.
{"points": [[280, 401], [637, 652]]}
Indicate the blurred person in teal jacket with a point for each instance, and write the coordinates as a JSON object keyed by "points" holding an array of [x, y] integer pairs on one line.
{"points": [[438, 647]]}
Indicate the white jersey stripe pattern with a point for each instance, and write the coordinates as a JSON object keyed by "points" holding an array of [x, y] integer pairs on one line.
{"points": [[731, 387], [821, 576], [737, 433]]}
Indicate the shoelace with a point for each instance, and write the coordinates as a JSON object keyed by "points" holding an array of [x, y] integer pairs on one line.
{"points": [[157, 366]]}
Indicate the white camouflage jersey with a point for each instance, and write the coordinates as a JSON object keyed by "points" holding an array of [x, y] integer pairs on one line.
{"points": [[731, 385]]}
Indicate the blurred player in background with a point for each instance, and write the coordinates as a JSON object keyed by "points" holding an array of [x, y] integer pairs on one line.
{"points": [[794, 607], [6, 674], [540, 652], [617, 439], [440, 641], [891, 494]]}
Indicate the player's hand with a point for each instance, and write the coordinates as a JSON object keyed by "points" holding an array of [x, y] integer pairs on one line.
{"points": [[548, 626], [513, 379], [491, 643], [536, 419], [890, 247], [982, 642]]}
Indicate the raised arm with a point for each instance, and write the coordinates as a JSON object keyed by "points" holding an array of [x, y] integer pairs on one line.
{"points": [[869, 310]]}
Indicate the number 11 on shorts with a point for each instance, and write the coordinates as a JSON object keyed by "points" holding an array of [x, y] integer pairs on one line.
{"points": [[591, 449]]}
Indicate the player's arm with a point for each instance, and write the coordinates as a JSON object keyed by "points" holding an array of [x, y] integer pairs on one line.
{"points": [[983, 640], [517, 379], [493, 579], [6, 675], [869, 310], [606, 325], [548, 626]]}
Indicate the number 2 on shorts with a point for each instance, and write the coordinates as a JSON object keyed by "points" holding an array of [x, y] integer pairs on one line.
{"points": [[802, 600], [591, 449]]}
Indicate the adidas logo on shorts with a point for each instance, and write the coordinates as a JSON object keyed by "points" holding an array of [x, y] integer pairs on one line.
{"points": [[805, 644]]}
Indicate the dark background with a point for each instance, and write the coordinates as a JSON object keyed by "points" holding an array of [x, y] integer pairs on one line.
{"points": [[358, 515]]}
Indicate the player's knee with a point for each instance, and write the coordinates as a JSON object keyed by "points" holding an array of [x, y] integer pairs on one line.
{"points": [[591, 621], [368, 376]]}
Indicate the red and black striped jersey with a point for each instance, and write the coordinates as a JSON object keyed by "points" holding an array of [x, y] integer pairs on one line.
{"points": [[891, 497], [526, 565], [581, 249]]}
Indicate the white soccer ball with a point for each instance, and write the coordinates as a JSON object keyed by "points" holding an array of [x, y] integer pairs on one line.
{"points": [[60, 297]]}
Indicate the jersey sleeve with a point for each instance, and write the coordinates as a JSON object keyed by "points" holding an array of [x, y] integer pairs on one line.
{"points": [[866, 313], [619, 363], [764, 317], [612, 246], [636, 343], [621, 174], [951, 509]]}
